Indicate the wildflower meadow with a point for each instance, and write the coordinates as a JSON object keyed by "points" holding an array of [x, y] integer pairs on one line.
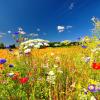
{"points": [[36, 71]]}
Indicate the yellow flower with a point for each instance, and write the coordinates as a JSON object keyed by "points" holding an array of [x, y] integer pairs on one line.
{"points": [[91, 81], [78, 86]]}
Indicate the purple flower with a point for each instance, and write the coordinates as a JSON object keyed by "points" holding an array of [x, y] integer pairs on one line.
{"points": [[84, 46], [2, 61], [11, 65], [92, 88], [16, 33]]}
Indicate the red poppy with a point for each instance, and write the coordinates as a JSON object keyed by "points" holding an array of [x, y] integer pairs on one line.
{"points": [[96, 66], [23, 80], [14, 77]]}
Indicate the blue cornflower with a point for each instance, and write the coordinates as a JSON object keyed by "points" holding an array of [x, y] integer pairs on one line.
{"points": [[84, 46], [2, 61], [11, 65], [92, 88], [16, 33]]}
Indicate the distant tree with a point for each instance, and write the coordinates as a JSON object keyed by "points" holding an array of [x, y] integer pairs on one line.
{"points": [[73, 44], [64, 43], [54, 44], [2, 46], [12, 46]]}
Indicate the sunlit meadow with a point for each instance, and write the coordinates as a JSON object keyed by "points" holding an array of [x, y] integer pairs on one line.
{"points": [[48, 73]]}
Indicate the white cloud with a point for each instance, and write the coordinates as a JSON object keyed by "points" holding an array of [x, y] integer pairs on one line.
{"points": [[71, 6], [68, 27], [60, 28], [34, 34], [63, 28], [20, 29], [9, 32], [38, 29]]}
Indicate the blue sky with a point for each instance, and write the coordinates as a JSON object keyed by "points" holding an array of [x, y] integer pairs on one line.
{"points": [[43, 16]]}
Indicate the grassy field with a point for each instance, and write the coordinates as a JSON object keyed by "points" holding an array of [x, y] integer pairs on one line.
{"points": [[48, 74]]}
